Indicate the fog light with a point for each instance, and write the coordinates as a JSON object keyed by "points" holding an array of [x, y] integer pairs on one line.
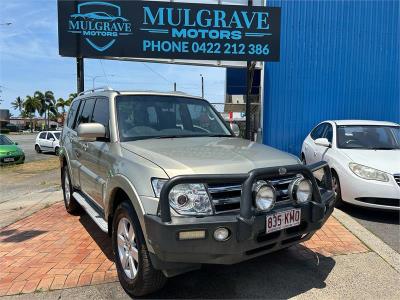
{"points": [[192, 235], [221, 234]]}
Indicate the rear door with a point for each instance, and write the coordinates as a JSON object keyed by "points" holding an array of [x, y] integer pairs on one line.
{"points": [[41, 140]]}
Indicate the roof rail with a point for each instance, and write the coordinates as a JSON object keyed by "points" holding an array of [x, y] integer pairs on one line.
{"points": [[99, 89]]}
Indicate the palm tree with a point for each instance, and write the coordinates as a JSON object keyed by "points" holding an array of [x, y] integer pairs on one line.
{"points": [[31, 105], [18, 103], [47, 102], [71, 97], [63, 104]]}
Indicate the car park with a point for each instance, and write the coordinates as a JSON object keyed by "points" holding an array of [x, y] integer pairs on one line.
{"points": [[175, 188], [48, 141], [10, 153], [364, 157]]}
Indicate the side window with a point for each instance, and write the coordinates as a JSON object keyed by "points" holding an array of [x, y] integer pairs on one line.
{"points": [[42, 135], [87, 111], [72, 114], [50, 136], [329, 132], [101, 112], [318, 131]]}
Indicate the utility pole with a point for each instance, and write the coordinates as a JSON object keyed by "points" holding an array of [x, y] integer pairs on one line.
{"points": [[174, 86], [202, 86]]}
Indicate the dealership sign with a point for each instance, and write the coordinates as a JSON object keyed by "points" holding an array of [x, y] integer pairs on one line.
{"points": [[165, 30]]}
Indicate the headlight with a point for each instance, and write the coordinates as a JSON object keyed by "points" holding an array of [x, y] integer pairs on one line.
{"points": [[264, 195], [368, 173], [157, 185], [190, 199], [300, 190]]}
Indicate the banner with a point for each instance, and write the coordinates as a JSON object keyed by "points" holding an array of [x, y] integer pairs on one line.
{"points": [[150, 29]]}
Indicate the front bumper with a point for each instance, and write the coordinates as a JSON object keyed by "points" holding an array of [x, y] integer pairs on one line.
{"points": [[18, 159], [248, 238]]}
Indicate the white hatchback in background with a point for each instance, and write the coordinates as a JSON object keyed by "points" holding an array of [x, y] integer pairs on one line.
{"points": [[364, 157], [48, 141]]}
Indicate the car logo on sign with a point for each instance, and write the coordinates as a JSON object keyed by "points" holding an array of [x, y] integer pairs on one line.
{"points": [[100, 23]]}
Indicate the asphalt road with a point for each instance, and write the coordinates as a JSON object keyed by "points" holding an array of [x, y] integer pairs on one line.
{"points": [[27, 143], [384, 224]]}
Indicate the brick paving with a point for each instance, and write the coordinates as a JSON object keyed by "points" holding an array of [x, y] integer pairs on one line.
{"points": [[53, 250]]}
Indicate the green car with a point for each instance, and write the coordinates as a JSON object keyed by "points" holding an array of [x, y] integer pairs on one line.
{"points": [[10, 153]]}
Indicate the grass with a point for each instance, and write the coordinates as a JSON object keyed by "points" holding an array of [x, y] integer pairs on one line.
{"points": [[34, 166]]}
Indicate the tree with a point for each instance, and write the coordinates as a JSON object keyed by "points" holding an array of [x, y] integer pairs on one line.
{"points": [[18, 103], [31, 106], [47, 102], [61, 103]]}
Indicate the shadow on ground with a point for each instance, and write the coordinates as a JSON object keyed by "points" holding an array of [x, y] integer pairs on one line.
{"points": [[373, 215]]}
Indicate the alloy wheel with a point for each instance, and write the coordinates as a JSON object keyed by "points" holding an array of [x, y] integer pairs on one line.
{"points": [[127, 248]]}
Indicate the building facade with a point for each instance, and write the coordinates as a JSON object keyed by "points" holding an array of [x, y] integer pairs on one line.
{"points": [[339, 60]]}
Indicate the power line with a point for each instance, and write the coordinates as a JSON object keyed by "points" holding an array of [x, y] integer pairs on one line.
{"points": [[104, 72], [155, 72]]}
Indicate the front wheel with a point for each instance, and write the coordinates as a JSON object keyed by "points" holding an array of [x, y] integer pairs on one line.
{"points": [[135, 271], [37, 149]]}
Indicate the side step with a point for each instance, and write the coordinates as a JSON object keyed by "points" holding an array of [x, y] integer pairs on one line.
{"points": [[97, 218]]}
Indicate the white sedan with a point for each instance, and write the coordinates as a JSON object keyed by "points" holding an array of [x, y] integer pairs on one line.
{"points": [[48, 141], [364, 157]]}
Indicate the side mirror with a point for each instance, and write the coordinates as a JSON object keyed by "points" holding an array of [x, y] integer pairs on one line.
{"points": [[322, 142], [235, 128], [51, 139], [89, 132]]}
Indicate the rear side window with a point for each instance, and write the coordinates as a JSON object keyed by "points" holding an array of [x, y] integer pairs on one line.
{"points": [[101, 112], [42, 135], [86, 115], [72, 114], [318, 131]]}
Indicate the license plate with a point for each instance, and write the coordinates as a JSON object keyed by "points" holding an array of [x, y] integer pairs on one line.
{"points": [[9, 159], [283, 219]]}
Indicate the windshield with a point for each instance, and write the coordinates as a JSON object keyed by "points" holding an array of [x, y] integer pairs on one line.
{"points": [[5, 140], [369, 137], [144, 116]]}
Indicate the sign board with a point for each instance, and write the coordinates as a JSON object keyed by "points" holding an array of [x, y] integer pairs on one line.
{"points": [[165, 30]]}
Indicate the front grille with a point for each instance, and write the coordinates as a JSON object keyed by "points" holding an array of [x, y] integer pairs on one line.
{"points": [[226, 197], [397, 178]]}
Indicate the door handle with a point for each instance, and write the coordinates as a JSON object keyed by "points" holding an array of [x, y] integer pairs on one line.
{"points": [[85, 146]]}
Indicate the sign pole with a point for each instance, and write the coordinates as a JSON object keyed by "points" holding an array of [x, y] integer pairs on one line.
{"points": [[80, 79], [249, 81]]}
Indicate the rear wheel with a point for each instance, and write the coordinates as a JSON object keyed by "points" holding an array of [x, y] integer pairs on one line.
{"points": [[37, 149], [135, 271], [71, 205], [336, 189]]}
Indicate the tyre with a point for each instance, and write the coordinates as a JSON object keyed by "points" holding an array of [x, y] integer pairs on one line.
{"points": [[57, 151], [135, 271], [71, 205], [37, 149], [336, 188]]}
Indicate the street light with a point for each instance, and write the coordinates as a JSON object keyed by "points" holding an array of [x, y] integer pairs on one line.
{"points": [[202, 86], [99, 76]]}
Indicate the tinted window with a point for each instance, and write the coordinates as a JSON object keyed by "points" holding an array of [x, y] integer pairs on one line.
{"points": [[87, 111], [101, 112], [5, 140], [329, 133], [72, 114], [50, 136], [57, 134], [42, 135], [318, 131]]}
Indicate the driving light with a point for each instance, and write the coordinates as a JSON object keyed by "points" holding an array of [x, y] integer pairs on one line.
{"points": [[368, 173], [265, 195], [300, 190], [190, 199], [221, 234]]}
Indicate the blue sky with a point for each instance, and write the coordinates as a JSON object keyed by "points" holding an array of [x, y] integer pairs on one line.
{"points": [[29, 61]]}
